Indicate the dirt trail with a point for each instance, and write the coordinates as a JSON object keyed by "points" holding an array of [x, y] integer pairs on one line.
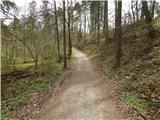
{"points": [[82, 97]]}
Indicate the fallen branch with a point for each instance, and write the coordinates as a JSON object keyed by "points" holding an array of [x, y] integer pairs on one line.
{"points": [[140, 114]]}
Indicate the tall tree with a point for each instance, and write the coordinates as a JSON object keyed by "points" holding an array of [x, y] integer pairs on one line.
{"points": [[69, 31], [98, 24], [106, 20], [32, 32], [148, 18], [153, 8], [133, 13], [118, 16], [142, 12], [93, 16], [57, 30], [84, 3], [137, 10], [64, 36]]}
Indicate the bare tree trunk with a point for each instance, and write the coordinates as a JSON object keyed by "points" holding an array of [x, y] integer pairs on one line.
{"points": [[142, 12], [36, 63], [133, 14], [118, 33], [72, 21], [101, 13], [125, 18], [153, 7], [148, 18], [85, 27], [15, 56], [24, 49], [106, 20], [57, 31], [69, 33], [98, 21], [24, 55], [129, 17], [64, 36], [137, 11], [11, 56]]}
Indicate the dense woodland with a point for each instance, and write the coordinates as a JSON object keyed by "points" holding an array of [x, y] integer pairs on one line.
{"points": [[36, 48]]}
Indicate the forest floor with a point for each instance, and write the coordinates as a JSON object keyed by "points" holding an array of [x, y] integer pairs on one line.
{"points": [[86, 94], [138, 76], [25, 89]]}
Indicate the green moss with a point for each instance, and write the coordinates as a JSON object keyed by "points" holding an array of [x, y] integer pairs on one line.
{"points": [[4, 115], [133, 100]]}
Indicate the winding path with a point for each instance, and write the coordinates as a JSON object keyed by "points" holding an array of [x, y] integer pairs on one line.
{"points": [[83, 96]]}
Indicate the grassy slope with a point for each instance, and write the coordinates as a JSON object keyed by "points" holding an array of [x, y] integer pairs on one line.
{"points": [[140, 69]]}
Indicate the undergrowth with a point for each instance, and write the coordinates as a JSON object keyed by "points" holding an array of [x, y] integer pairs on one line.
{"points": [[18, 91], [139, 73]]}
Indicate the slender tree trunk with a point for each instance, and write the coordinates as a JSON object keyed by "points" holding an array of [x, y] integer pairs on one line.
{"points": [[101, 15], [137, 11], [80, 34], [11, 57], [148, 18], [24, 49], [142, 12], [72, 21], [98, 26], [153, 7], [36, 63], [129, 18], [57, 31], [133, 14], [64, 36], [85, 29], [15, 56], [69, 34], [118, 16], [24, 55], [106, 20], [85, 15]]}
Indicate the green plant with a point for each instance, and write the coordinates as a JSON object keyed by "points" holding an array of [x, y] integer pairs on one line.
{"points": [[133, 100]]}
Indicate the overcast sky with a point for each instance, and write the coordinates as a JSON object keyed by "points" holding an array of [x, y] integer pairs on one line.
{"points": [[23, 6], [22, 3]]}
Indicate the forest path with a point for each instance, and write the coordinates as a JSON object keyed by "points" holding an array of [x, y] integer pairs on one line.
{"points": [[83, 96]]}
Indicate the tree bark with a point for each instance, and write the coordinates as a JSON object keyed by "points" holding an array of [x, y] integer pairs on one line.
{"points": [[118, 33], [69, 34], [85, 27], [64, 36], [98, 26], [133, 14], [153, 7], [148, 19], [137, 11], [106, 20], [142, 12], [57, 31]]}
